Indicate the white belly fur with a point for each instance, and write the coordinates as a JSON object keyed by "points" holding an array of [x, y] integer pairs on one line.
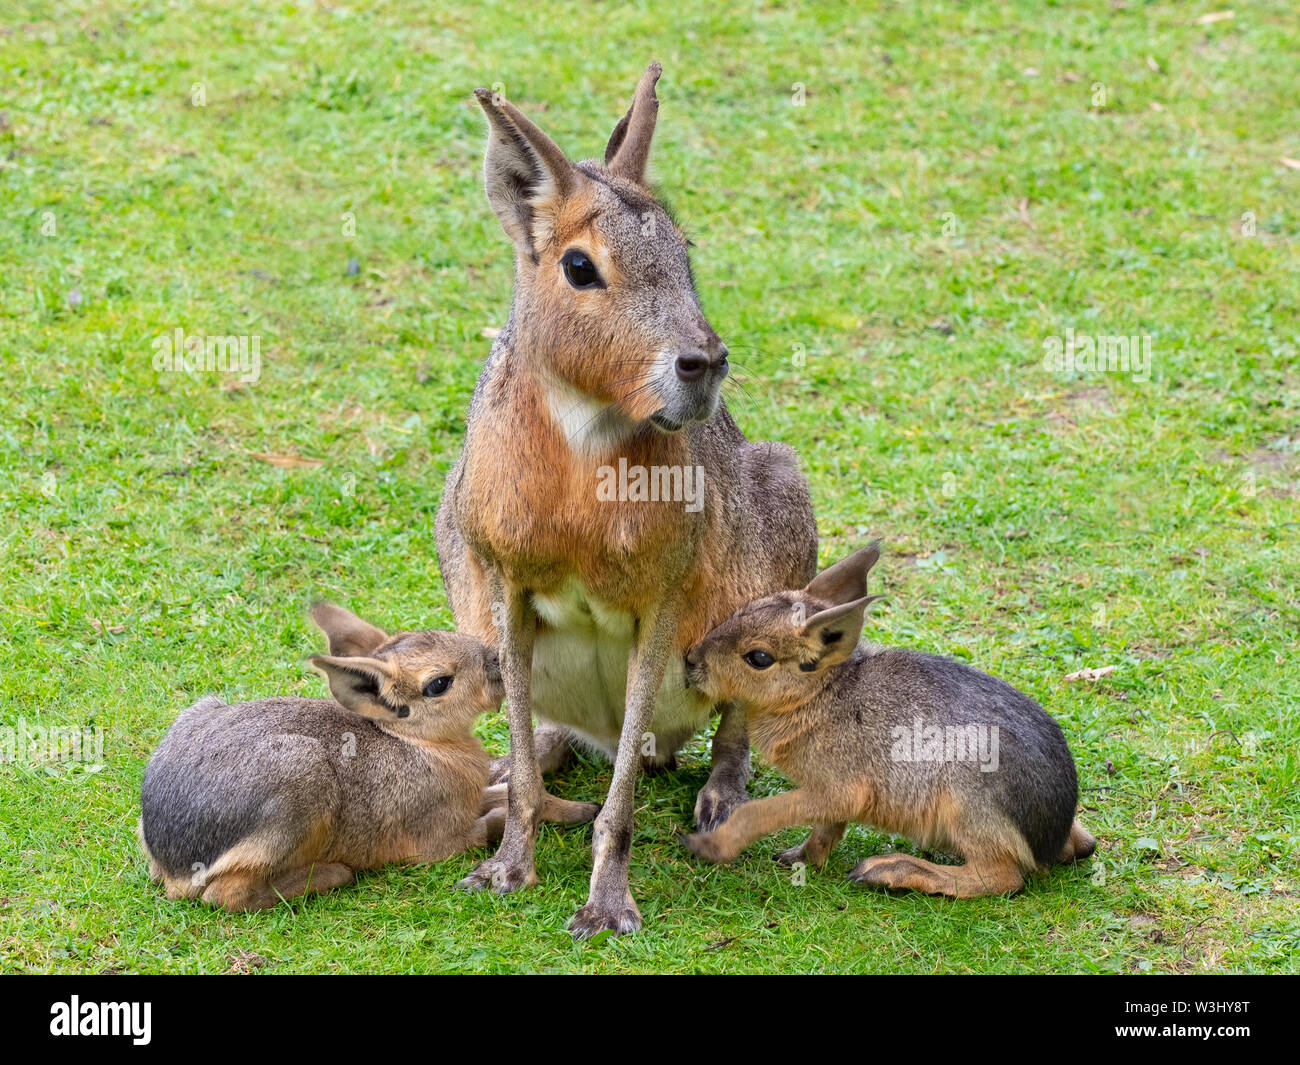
{"points": [[580, 674]]}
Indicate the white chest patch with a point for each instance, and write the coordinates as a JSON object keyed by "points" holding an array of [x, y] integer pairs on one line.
{"points": [[580, 674], [589, 425]]}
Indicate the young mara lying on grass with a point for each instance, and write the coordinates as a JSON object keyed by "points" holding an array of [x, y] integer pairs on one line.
{"points": [[247, 804]]}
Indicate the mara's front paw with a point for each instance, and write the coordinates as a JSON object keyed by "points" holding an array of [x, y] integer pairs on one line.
{"points": [[706, 845], [499, 770], [793, 856], [620, 917], [501, 875], [717, 801]]}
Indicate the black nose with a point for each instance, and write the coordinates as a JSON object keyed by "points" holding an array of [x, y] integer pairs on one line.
{"points": [[691, 367]]}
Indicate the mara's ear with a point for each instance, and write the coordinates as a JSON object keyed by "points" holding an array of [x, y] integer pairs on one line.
{"points": [[847, 579], [347, 633], [524, 172], [355, 682], [835, 630], [628, 150]]}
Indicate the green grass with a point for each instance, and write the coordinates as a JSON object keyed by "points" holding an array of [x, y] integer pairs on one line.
{"points": [[886, 262]]}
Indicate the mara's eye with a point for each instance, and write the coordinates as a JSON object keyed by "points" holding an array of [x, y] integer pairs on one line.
{"points": [[437, 686], [759, 659], [579, 269]]}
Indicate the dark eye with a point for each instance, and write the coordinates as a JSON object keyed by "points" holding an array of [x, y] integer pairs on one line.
{"points": [[579, 269], [437, 686], [759, 659]]}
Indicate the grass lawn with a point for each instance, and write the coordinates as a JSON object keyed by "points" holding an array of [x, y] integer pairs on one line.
{"points": [[895, 208]]}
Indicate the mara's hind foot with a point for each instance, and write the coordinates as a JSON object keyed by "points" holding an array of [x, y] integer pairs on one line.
{"points": [[312, 879], [619, 916], [1079, 846], [239, 892], [902, 872], [242, 892]]}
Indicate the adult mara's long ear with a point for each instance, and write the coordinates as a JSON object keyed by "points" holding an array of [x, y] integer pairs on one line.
{"points": [[347, 633], [834, 632], [628, 150], [355, 682], [525, 174], [847, 579]]}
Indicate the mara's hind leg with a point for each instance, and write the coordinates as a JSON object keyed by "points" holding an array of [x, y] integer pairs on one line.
{"points": [[1079, 846], [554, 747], [817, 847], [902, 872]]}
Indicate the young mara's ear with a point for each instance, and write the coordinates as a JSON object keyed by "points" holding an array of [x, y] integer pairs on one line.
{"points": [[628, 149], [524, 172], [835, 631], [347, 633], [847, 579], [355, 682]]}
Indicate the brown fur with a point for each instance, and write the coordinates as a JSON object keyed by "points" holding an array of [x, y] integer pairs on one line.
{"points": [[825, 710]]}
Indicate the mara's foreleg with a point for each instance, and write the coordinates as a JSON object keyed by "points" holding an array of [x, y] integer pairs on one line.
{"points": [[564, 811], [511, 868], [817, 847], [610, 904], [757, 819], [724, 791]]}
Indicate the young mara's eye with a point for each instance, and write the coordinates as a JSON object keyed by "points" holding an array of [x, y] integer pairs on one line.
{"points": [[437, 686], [759, 659], [579, 269]]}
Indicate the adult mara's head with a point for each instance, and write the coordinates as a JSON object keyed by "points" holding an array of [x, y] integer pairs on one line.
{"points": [[605, 304]]}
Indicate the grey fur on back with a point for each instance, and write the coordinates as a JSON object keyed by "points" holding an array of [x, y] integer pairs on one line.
{"points": [[1035, 784], [223, 772]]}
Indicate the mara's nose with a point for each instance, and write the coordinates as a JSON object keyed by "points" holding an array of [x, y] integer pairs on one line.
{"points": [[695, 365], [691, 367]]}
